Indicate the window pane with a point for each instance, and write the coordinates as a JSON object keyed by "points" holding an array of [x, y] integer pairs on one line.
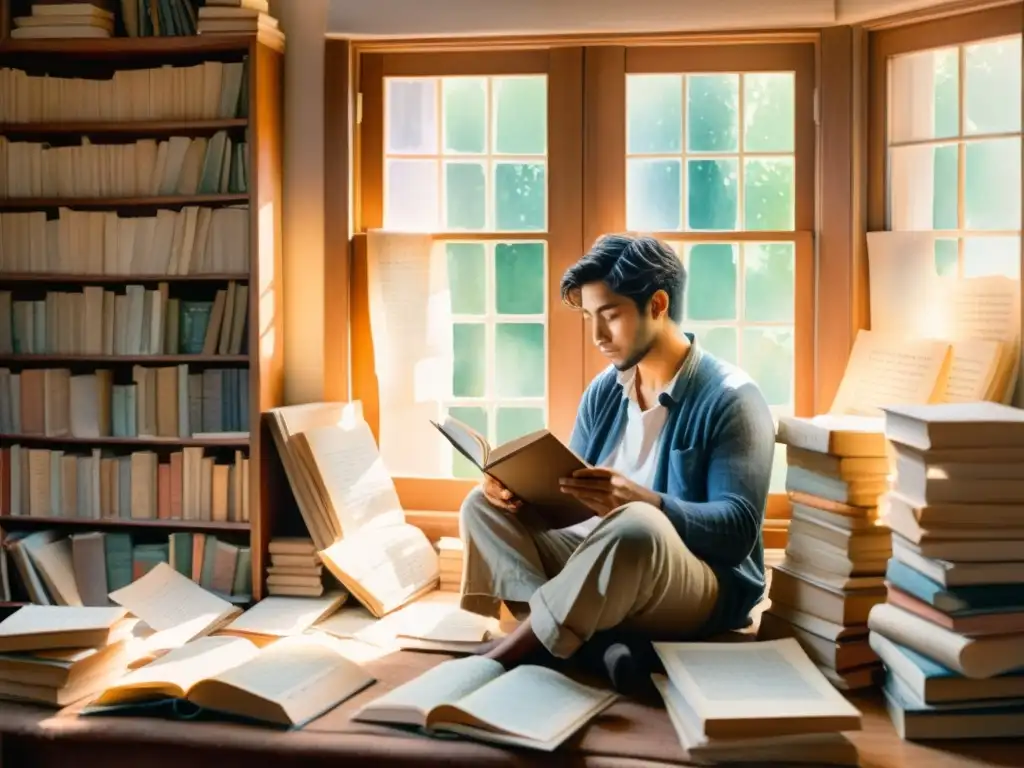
{"points": [[778, 481], [769, 282], [519, 278], [992, 86], [947, 256], [465, 197], [712, 114], [520, 199], [653, 195], [985, 256], [923, 95], [768, 358], [516, 422], [467, 280], [521, 115], [519, 359], [923, 187], [720, 342], [477, 419], [768, 112], [465, 114], [992, 186], [411, 117], [410, 195], [654, 113], [711, 282], [768, 194], [469, 376], [712, 194]]}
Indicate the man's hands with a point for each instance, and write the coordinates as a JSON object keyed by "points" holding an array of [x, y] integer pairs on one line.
{"points": [[499, 495], [604, 490]]}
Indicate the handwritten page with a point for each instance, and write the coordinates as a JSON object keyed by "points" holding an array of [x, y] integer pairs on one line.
{"points": [[411, 328], [358, 489], [885, 369], [973, 370], [167, 600], [982, 308], [283, 616], [904, 287]]}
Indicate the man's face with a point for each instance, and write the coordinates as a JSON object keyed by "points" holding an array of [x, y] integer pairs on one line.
{"points": [[618, 328]]}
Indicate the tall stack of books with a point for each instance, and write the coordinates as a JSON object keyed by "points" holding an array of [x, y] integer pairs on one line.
{"points": [[449, 559], [832, 572], [951, 635], [295, 568]]}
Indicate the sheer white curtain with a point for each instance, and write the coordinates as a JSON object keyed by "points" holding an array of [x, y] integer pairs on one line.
{"points": [[411, 328], [911, 118]]}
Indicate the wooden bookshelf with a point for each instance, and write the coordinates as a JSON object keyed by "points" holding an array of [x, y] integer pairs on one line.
{"points": [[261, 128]]}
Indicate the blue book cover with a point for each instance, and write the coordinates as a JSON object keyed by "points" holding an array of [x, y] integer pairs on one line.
{"points": [[956, 601]]}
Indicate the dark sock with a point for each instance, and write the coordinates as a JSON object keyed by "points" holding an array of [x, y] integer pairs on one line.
{"points": [[623, 664]]}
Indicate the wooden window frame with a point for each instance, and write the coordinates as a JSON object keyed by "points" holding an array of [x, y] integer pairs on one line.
{"points": [[563, 67]]}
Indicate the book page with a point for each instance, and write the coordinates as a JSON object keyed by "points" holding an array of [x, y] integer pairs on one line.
{"points": [[446, 683], [180, 668], [982, 308], [412, 331], [973, 367], [389, 565], [283, 616], [888, 370], [53, 561], [346, 623], [768, 680], [358, 488], [532, 702], [167, 600], [436, 616], [54, 619], [466, 440], [306, 675], [905, 294]]}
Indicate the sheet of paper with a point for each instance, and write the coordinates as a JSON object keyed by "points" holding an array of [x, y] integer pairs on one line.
{"points": [[972, 370], [283, 616], [985, 308], [411, 327], [885, 369], [446, 683], [359, 488], [346, 623], [904, 286], [167, 600], [431, 618]]}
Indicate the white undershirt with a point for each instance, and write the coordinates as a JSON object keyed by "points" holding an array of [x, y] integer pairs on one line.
{"points": [[636, 453]]}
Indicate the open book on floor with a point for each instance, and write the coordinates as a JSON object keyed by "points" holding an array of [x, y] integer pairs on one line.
{"points": [[284, 685], [350, 504], [530, 706], [530, 466]]}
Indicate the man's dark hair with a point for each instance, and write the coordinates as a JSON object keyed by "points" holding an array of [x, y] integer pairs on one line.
{"points": [[631, 266]]}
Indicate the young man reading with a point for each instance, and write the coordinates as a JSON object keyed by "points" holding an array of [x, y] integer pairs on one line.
{"points": [[681, 446]]}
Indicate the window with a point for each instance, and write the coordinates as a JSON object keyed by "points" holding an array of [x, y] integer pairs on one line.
{"points": [[954, 144]]}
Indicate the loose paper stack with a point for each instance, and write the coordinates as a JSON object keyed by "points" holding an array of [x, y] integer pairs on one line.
{"points": [[951, 635], [754, 702], [832, 573], [449, 557], [295, 568]]}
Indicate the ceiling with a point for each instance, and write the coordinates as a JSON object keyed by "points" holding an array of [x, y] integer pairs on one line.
{"points": [[425, 18]]}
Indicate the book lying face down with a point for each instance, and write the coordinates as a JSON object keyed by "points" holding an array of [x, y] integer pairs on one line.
{"points": [[529, 466]]}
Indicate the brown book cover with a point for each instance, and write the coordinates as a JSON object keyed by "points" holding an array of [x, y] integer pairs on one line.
{"points": [[529, 466]]}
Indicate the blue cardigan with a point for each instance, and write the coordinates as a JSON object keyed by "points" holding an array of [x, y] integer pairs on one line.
{"points": [[713, 469]]}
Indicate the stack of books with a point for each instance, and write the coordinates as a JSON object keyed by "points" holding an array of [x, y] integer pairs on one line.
{"points": [[951, 635], [56, 655], [240, 17], [833, 570], [49, 20], [449, 558], [295, 568], [775, 708]]}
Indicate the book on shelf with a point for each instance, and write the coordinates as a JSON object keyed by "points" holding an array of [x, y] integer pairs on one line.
{"points": [[192, 241], [529, 466], [83, 568], [285, 684], [295, 568], [211, 90], [471, 696], [137, 322], [350, 506], [64, 20], [176, 166]]}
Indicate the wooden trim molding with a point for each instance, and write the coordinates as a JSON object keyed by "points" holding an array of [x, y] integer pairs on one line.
{"points": [[339, 121]]}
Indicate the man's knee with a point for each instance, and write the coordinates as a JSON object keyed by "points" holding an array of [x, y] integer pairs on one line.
{"points": [[636, 529], [475, 507]]}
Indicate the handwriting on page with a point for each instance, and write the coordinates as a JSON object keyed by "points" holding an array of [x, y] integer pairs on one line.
{"points": [[971, 371], [165, 599], [985, 308], [886, 370]]}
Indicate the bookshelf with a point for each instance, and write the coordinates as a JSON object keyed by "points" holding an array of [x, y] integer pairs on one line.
{"points": [[259, 361]]}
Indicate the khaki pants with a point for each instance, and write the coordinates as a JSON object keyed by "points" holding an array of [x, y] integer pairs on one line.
{"points": [[632, 572]]}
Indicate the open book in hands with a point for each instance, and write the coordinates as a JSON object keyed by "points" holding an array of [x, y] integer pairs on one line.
{"points": [[286, 684], [530, 706], [529, 466]]}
